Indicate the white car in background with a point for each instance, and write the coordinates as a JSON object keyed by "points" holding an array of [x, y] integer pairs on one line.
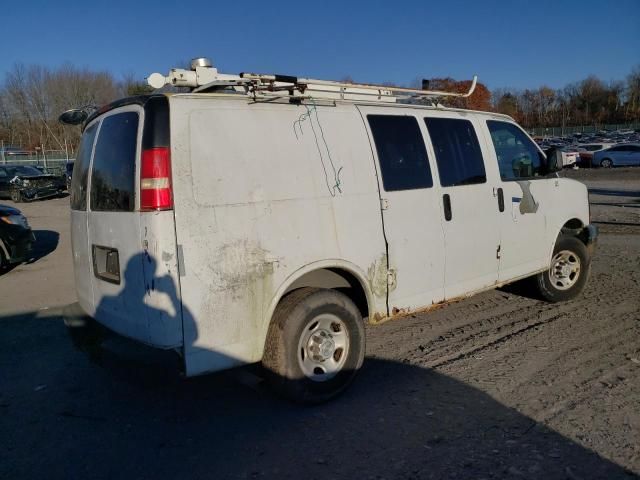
{"points": [[570, 156]]}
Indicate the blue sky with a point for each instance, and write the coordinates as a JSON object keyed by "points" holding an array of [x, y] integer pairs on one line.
{"points": [[507, 43]]}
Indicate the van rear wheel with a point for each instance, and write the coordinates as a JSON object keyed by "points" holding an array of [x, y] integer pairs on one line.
{"points": [[315, 345], [568, 271]]}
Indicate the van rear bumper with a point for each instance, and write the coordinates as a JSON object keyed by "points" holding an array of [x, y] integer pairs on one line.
{"points": [[98, 342]]}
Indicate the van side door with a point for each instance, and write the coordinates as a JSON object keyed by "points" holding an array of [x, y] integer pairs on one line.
{"points": [[410, 209], [469, 209], [528, 197]]}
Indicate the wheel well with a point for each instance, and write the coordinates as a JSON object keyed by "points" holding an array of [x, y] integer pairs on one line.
{"points": [[336, 279], [574, 228]]}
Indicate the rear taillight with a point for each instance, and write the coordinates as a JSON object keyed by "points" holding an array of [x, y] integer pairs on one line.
{"points": [[155, 180]]}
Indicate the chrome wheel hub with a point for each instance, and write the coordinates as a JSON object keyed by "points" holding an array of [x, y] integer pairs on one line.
{"points": [[323, 347], [565, 269]]}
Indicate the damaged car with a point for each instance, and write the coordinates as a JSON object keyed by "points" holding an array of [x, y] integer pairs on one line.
{"points": [[24, 183], [16, 237]]}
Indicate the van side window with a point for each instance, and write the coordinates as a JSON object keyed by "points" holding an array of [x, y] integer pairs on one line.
{"points": [[114, 164], [81, 169], [401, 152], [457, 150], [517, 156]]}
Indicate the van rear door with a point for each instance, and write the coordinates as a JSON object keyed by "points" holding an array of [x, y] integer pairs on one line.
{"points": [[133, 260], [79, 218]]}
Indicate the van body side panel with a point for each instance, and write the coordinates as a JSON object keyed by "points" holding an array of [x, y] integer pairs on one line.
{"points": [[261, 192]]}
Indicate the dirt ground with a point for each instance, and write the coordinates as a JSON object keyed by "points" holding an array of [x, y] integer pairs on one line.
{"points": [[500, 385]]}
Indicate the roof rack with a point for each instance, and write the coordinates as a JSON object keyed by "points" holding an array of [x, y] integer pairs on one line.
{"points": [[204, 78]]}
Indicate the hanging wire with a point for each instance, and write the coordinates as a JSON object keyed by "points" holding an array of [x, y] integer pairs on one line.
{"points": [[337, 183]]}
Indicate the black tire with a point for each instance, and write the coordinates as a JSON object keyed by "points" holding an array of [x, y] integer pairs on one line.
{"points": [[16, 196], [606, 163], [292, 322], [554, 289]]}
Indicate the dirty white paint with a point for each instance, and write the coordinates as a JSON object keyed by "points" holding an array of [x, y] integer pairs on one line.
{"points": [[269, 197], [292, 189]]}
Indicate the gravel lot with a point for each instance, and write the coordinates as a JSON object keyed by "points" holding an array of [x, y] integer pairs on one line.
{"points": [[500, 385]]}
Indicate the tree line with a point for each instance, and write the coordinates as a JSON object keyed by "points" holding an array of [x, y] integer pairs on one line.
{"points": [[588, 102], [32, 97]]}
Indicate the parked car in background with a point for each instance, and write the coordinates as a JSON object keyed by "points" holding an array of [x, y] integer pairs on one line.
{"points": [[16, 237], [10, 152], [586, 152], [23, 183], [570, 156], [620, 155]]}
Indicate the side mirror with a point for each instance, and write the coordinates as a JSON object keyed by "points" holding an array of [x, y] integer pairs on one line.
{"points": [[74, 116], [554, 160]]}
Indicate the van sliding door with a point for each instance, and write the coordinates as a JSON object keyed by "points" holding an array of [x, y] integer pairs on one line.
{"points": [[410, 209], [469, 209]]}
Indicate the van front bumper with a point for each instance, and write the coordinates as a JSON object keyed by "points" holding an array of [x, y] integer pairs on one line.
{"points": [[100, 343]]}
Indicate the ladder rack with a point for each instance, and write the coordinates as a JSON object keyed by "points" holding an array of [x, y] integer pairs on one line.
{"points": [[203, 77], [344, 91]]}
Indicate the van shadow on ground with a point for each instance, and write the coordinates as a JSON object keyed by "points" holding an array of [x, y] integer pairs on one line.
{"points": [[62, 416]]}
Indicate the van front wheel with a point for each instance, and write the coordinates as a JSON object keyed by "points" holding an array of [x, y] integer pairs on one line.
{"points": [[315, 345], [568, 271]]}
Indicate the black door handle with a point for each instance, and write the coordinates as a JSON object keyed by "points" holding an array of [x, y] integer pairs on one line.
{"points": [[500, 200], [447, 206]]}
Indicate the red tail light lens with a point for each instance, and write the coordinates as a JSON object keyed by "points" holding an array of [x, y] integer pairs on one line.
{"points": [[155, 180]]}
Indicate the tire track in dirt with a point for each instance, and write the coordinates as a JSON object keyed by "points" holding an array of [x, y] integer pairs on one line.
{"points": [[573, 367]]}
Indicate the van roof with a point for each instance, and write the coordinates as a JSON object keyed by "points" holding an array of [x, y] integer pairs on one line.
{"points": [[143, 99]]}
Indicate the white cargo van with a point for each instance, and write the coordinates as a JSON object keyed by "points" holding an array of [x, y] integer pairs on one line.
{"points": [[261, 218]]}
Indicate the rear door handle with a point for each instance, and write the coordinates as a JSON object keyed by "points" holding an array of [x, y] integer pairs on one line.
{"points": [[446, 200], [500, 200]]}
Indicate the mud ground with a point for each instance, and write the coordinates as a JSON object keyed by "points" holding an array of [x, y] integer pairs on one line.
{"points": [[501, 385]]}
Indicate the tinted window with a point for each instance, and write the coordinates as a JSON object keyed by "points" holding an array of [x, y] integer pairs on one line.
{"points": [[457, 150], [401, 152], [517, 155], [114, 163], [625, 148], [81, 169]]}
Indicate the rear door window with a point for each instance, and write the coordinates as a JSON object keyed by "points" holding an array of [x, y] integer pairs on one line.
{"points": [[458, 153], [81, 169], [114, 164], [401, 152], [517, 155]]}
